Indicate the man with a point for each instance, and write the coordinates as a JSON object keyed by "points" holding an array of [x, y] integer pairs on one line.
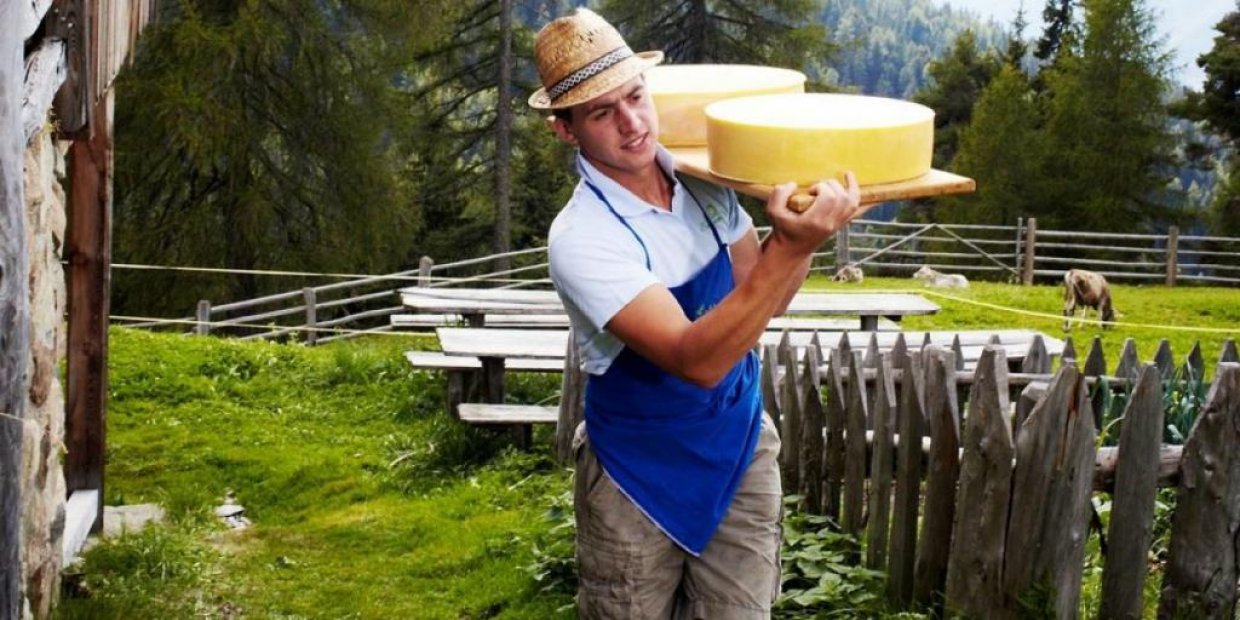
{"points": [[668, 290]]}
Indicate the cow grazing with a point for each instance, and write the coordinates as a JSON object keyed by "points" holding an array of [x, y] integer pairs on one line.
{"points": [[848, 273], [1087, 290], [940, 280]]}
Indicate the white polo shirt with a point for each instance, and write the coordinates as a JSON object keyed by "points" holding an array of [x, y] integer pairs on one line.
{"points": [[598, 266]]}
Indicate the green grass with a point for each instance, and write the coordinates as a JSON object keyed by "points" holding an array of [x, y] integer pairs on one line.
{"points": [[367, 500], [306, 438]]}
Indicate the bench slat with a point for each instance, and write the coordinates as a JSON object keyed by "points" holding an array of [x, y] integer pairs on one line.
{"points": [[480, 413], [434, 360]]}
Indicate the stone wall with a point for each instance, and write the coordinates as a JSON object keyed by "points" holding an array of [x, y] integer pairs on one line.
{"points": [[43, 480]]}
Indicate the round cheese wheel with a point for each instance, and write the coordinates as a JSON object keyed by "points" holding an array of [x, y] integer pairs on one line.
{"points": [[810, 137], [682, 92]]}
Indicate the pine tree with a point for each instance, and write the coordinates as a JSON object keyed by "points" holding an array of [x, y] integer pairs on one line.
{"points": [[1110, 146], [1003, 150], [956, 81], [1058, 31], [263, 135], [782, 33]]}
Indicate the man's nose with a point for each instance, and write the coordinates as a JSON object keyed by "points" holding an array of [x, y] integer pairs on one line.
{"points": [[629, 120]]}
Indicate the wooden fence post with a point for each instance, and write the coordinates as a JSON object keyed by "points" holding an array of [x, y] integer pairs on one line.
{"points": [[1228, 352], [1096, 366], [1173, 250], [1200, 578], [842, 250], [1132, 509], [14, 309], [975, 567], [1031, 238], [203, 316], [1016, 249], [770, 390], [910, 421], [1050, 499], [854, 458], [811, 433], [572, 402], [837, 419], [942, 411], [789, 406], [1195, 363], [1129, 362], [425, 264], [1164, 359], [312, 318], [881, 463]]}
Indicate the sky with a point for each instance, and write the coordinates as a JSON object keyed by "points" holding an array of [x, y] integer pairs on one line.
{"points": [[1188, 26]]}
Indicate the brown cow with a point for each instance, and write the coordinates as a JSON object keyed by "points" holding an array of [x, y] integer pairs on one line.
{"points": [[1087, 290]]}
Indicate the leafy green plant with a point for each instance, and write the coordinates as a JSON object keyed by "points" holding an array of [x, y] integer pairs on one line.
{"points": [[1184, 395], [820, 578], [554, 568]]}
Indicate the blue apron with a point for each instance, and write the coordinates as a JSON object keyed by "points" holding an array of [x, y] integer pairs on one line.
{"points": [[677, 450]]}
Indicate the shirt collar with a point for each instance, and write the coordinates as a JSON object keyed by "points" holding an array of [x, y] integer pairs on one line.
{"points": [[625, 202]]}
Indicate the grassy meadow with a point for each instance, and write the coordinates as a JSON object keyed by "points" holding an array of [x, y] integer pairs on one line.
{"points": [[368, 501]]}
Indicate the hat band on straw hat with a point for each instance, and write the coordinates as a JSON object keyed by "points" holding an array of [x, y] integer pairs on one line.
{"points": [[575, 78]]}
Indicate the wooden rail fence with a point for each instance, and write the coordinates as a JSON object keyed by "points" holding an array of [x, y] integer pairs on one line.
{"points": [[1003, 485], [1018, 253]]}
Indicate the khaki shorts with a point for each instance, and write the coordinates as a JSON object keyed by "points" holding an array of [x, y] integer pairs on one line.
{"points": [[629, 569]]}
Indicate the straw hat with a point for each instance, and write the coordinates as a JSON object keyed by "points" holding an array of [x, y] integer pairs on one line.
{"points": [[580, 57]]}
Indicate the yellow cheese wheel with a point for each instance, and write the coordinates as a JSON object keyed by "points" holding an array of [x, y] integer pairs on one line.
{"points": [[682, 92], [809, 137]]}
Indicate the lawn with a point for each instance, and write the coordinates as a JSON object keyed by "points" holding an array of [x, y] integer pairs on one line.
{"points": [[367, 501]]}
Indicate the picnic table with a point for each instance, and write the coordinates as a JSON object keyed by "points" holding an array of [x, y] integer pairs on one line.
{"points": [[474, 305]]}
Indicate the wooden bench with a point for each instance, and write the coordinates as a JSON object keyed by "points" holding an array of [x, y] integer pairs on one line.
{"points": [[488, 413], [434, 360], [431, 321]]}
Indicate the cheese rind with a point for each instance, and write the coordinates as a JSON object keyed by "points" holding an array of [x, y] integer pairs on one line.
{"points": [[682, 92], [810, 137]]}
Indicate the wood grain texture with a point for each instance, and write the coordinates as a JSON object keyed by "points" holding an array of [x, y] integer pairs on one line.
{"points": [[975, 567], [1132, 504], [910, 422], [855, 450], [881, 465], [1201, 573], [813, 420], [943, 470], [836, 448], [695, 162], [14, 309]]}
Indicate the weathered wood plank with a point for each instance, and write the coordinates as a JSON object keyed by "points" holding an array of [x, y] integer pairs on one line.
{"points": [[1132, 506], [855, 458], [1129, 362], [975, 569], [812, 422], [942, 472], [1164, 359], [1201, 572], [1095, 362], [770, 388], [1195, 363], [881, 464], [844, 346], [871, 352], [1228, 352], [1050, 498], [1069, 349], [46, 70], [910, 421], [899, 350], [496, 413], [14, 312], [836, 449], [1033, 393], [789, 405], [89, 254], [69, 22], [572, 402], [1037, 360], [30, 14], [958, 351]]}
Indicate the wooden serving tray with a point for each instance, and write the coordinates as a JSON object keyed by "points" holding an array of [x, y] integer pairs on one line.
{"points": [[695, 162]]}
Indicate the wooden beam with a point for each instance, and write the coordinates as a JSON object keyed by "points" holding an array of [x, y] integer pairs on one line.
{"points": [[90, 276], [14, 309], [30, 13]]}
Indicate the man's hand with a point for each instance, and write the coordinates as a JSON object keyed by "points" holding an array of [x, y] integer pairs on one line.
{"points": [[802, 233]]}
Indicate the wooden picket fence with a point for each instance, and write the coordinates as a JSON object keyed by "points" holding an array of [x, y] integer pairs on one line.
{"points": [[990, 507]]}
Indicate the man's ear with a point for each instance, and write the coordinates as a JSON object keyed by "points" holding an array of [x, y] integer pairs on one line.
{"points": [[562, 130]]}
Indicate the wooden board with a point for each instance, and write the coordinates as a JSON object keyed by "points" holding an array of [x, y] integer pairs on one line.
{"points": [[695, 162], [476, 413]]}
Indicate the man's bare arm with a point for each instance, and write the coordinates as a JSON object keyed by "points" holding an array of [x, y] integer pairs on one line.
{"points": [[703, 351]]}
